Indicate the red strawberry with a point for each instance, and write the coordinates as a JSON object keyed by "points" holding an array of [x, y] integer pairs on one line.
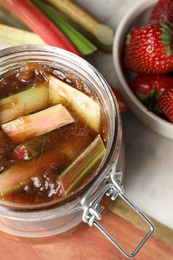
{"points": [[162, 12], [149, 87], [165, 104], [149, 49], [170, 14]]}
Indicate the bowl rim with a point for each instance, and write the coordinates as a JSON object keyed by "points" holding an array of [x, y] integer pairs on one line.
{"points": [[130, 98]]}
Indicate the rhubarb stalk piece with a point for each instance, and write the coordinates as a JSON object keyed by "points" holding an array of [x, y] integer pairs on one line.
{"points": [[17, 36], [80, 41], [80, 167], [20, 174], [84, 106], [101, 32], [32, 148], [24, 102], [26, 127], [40, 24]]}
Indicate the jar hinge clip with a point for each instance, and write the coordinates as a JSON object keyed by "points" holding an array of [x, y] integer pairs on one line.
{"points": [[92, 213]]}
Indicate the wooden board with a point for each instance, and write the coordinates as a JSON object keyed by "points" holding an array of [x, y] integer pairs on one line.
{"points": [[89, 243]]}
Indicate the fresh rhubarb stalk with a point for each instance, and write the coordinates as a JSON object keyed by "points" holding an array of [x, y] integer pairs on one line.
{"points": [[9, 17], [80, 42], [84, 106], [23, 128], [82, 165], [20, 174], [40, 24], [23, 103], [103, 33], [17, 36]]}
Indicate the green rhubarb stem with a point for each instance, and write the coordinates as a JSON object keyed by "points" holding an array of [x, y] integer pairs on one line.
{"points": [[24, 102], [80, 42], [85, 20], [17, 36], [80, 167], [38, 22], [20, 174], [26, 127]]}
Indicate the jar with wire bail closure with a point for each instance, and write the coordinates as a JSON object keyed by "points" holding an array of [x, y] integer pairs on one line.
{"points": [[40, 221]]}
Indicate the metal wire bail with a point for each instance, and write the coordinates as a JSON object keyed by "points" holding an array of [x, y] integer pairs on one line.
{"points": [[92, 212]]}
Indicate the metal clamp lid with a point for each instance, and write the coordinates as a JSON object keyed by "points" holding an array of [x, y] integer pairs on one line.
{"points": [[92, 212]]}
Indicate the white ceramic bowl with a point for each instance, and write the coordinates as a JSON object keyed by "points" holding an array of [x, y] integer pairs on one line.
{"points": [[138, 15]]}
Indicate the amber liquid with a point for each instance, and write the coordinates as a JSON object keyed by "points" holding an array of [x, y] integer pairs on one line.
{"points": [[73, 137]]}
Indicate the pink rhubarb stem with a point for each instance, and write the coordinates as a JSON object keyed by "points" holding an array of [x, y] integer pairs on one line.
{"points": [[40, 24]]}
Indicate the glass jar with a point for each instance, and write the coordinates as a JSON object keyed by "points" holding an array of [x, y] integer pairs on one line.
{"points": [[40, 222]]}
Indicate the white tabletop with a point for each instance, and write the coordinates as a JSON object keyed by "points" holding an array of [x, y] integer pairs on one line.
{"points": [[148, 178]]}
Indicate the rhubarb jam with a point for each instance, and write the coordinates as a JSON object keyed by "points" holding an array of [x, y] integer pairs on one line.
{"points": [[53, 134]]}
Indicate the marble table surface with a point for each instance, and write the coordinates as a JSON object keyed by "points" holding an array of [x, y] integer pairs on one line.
{"points": [[148, 180]]}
